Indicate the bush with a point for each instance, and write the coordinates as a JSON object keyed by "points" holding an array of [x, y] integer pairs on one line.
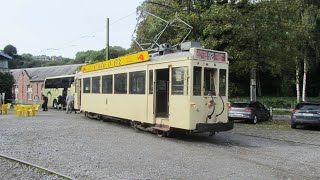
{"points": [[276, 102]]}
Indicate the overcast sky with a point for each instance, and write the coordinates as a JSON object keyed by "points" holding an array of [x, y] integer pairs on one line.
{"points": [[65, 27]]}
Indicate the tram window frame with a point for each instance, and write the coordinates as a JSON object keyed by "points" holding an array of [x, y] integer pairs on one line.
{"points": [[150, 81], [197, 80], [120, 83], [179, 81], [137, 82], [210, 80], [96, 84], [86, 85], [107, 84], [222, 82]]}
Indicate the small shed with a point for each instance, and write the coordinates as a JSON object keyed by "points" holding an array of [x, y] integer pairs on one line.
{"points": [[4, 62]]}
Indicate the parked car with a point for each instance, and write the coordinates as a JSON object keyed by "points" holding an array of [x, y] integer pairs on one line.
{"points": [[306, 113], [252, 111]]}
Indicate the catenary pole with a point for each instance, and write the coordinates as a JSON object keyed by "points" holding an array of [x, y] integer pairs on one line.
{"points": [[107, 38]]}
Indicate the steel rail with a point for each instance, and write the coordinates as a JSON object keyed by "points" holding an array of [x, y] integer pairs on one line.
{"points": [[36, 166]]}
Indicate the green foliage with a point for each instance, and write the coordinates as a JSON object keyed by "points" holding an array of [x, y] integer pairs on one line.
{"points": [[276, 102], [6, 84], [10, 50], [272, 36], [92, 56]]}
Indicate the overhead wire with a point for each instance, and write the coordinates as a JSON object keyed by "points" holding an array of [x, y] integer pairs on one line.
{"points": [[91, 35]]}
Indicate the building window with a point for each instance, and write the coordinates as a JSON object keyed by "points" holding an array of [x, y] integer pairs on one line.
{"points": [[29, 92], [96, 84], [107, 84], [16, 92], [180, 81], [137, 82], [86, 85], [42, 88], [120, 83]]}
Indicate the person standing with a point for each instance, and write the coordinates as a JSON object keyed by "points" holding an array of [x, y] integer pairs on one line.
{"points": [[45, 103], [69, 100]]}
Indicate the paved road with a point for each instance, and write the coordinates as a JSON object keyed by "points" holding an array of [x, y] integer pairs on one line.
{"points": [[89, 149]]}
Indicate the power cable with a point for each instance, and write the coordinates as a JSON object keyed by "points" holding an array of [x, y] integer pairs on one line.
{"points": [[85, 36]]}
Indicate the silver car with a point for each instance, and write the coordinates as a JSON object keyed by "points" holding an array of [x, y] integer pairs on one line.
{"points": [[306, 113], [252, 111]]}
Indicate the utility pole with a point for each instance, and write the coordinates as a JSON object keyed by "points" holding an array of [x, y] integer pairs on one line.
{"points": [[107, 45], [253, 86]]}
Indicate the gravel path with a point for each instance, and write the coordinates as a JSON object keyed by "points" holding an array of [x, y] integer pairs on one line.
{"points": [[89, 149], [13, 170]]}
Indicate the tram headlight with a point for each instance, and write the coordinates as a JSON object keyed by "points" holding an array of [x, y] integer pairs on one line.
{"points": [[210, 104], [193, 104]]}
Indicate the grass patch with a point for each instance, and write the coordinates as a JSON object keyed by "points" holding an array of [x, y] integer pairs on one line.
{"points": [[278, 112], [274, 124]]}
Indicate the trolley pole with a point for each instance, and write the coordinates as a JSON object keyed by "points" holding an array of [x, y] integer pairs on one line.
{"points": [[107, 45]]}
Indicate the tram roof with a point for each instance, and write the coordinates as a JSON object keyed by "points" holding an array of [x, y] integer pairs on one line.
{"points": [[171, 56]]}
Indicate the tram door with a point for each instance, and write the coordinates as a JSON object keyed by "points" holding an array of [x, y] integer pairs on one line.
{"points": [[77, 99], [162, 93]]}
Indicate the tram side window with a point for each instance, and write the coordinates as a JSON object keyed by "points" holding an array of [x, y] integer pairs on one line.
{"points": [[150, 81], [180, 81], [120, 83], [222, 82], [86, 85], [137, 82], [96, 84], [210, 76], [107, 84], [197, 81]]}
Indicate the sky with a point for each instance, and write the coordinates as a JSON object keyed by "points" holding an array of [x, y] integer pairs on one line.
{"points": [[65, 27]]}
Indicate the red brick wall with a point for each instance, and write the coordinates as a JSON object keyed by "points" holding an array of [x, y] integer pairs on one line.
{"points": [[23, 81]]}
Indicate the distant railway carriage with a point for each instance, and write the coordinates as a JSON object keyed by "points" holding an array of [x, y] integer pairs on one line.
{"points": [[56, 88], [177, 91]]}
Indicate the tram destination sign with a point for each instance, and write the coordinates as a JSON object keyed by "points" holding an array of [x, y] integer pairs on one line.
{"points": [[121, 61], [210, 55]]}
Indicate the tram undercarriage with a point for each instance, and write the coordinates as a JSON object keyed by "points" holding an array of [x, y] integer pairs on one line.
{"points": [[161, 131]]}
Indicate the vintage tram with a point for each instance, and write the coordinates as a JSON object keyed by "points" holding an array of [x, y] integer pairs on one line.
{"points": [[182, 91]]}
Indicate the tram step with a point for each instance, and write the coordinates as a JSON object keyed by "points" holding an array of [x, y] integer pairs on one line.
{"points": [[161, 128]]}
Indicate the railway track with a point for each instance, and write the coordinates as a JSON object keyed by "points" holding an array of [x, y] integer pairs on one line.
{"points": [[37, 167]]}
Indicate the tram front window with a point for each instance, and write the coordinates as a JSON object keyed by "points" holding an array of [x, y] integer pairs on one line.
{"points": [[180, 81], [222, 82], [197, 81], [210, 76]]}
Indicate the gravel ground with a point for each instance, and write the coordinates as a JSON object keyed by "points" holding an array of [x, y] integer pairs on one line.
{"points": [[89, 149], [13, 170]]}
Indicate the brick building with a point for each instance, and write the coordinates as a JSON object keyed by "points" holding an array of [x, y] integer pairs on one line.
{"points": [[29, 82]]}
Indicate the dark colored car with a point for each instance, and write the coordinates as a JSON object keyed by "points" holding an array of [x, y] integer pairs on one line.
{"points": [[306, 113], [252, 111]]}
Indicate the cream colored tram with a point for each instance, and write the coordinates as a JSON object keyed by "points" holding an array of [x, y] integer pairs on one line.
{"points": [[178, 91]]}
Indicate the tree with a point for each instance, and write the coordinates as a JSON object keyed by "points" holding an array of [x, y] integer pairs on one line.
{"points": [[6, 84], [92, 56], [266, 35], [10, 50]]}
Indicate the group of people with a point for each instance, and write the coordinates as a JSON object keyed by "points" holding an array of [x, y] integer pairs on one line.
{"points": [[69, 100]]}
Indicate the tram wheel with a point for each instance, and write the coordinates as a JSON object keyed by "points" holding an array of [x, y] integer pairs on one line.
{"points": [[134, 125], [163, 133]]}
